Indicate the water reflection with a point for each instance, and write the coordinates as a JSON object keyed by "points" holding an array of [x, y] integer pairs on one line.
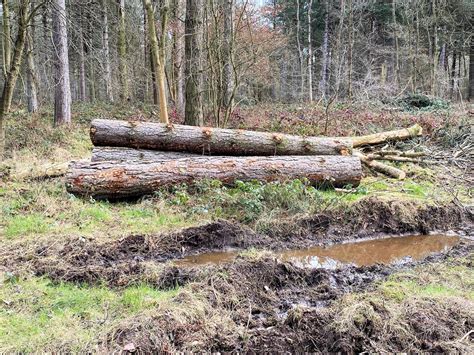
{"points": [[362, 253]]}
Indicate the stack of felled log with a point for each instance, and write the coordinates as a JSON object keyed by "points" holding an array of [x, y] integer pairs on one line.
{"points": [[136, 158]]}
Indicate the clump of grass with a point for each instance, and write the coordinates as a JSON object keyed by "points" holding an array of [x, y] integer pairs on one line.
{"points": [[21, 225], [36, 315]]}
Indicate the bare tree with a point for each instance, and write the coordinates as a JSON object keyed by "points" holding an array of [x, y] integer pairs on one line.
{"points": [[310, 52], [106, 48], [122, 52], [62, 94], [6, 39]]}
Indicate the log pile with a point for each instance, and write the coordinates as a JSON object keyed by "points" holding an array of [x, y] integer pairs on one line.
{"points": [[132, 159]]}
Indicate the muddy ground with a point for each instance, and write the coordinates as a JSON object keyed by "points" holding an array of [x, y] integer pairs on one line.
{"points": [[258, 303]]}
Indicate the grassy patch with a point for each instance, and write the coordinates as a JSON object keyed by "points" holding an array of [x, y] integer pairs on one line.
{"points": [[36, 314], [21, 225]]}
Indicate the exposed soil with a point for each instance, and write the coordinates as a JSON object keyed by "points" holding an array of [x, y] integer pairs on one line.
{"points": [[125, 261], [257, 304], [267, 305]]}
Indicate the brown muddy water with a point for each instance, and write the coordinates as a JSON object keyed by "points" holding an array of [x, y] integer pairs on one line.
{"points": [[361, 253]]}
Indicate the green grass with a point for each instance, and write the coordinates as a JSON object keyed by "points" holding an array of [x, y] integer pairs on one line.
{"points": [[36, 314], [26, 225]]}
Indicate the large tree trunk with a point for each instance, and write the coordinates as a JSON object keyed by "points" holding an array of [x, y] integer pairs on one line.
{"points": [[114, 180], [62, 96], [207, 140], [193, 68], [130, 154]]}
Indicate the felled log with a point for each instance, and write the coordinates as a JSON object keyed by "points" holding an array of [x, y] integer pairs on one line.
{"points": [[211, 141], [130, 154], [380, 167], [116, 180], [377, 138]]}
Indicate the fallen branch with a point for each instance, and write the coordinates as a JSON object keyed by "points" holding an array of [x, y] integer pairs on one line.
{"points": [[377, 138], [380, 167]]}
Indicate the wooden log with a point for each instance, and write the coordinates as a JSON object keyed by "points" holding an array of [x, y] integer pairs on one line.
{"points": [[117, 180], [380, 167], [211, 141], [130, 154], [377, 138]]}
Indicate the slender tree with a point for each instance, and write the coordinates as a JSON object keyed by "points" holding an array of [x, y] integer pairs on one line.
{"points": [[471, 70], [228, 53], [310, 52], [62, 93], [194, 56], [106, 52], [158, 54], [6, 40], [122, 51]]}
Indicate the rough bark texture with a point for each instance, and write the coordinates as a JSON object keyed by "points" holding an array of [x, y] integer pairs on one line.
{"points": [[106, 49], [399, 134], [205, 140], [62, 96], [130, 154], [7, 52], [471, 71], [114, 180], [193, 69]]}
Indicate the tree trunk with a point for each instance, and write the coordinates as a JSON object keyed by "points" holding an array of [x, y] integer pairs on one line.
{"points": [[193, 68], [12, 75], [179, 61], [471, 71], [228, 68], [114, 180], [397, 47], [377, 138], [130, 154], [325, 62], [350, 51], [157, 55], [205, 140], [300, 49], [6, 40], [122, 52], [106, 49], [62, 96], [310, 53], [31, 78], [82, 61]]}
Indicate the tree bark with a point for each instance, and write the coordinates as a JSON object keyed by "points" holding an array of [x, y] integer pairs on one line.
{"points": [[62, 96], [106, 48], [310, 53], [193, 68], [380, 167], [179, 62], [7, 52], [130, 154], [112, 180], [158, 55], [14, 71], [207, 140], [31, 78], [122, 52], [471, 70], [325, 60], [377, 138], [228, 72], [82, 61]]}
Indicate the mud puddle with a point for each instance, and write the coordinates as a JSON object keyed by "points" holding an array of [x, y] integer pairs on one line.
{"points": [[360, 253]]}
